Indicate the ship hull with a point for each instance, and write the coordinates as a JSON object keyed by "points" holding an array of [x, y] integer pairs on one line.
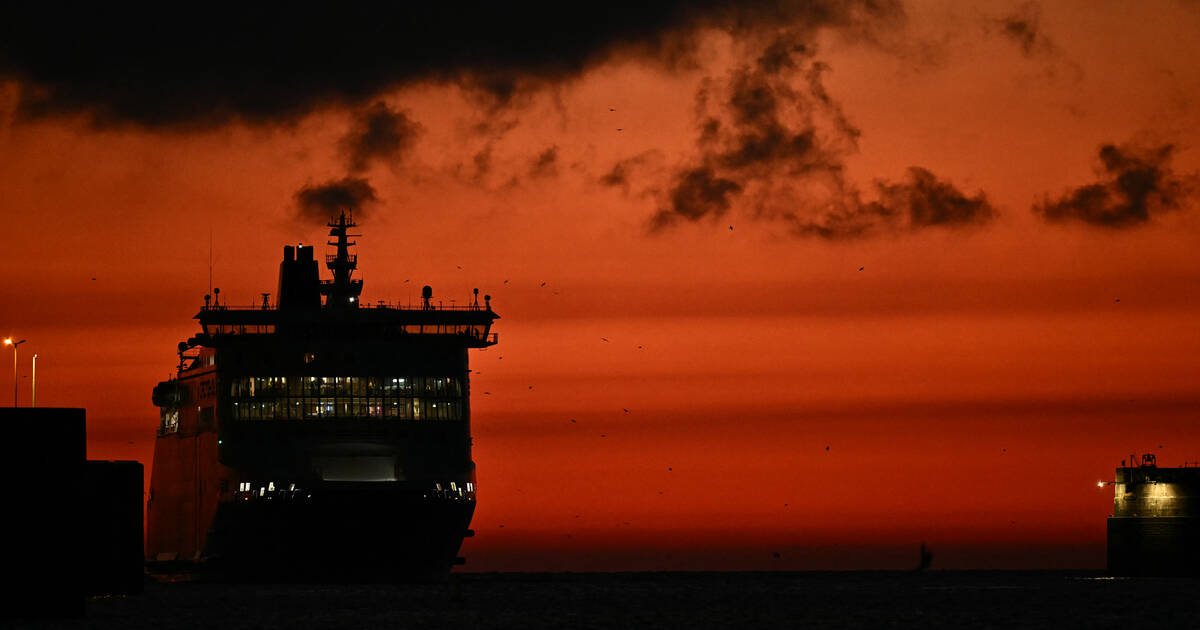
{"points": [[337, 533]]}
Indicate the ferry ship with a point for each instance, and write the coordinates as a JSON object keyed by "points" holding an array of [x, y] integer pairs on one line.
{"points": [[319, 437]]}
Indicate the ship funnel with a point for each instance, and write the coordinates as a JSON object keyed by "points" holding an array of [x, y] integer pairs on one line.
{"points": [[299, 283]]}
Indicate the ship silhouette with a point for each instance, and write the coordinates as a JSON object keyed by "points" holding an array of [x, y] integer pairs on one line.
{"points": [[318, 438]]}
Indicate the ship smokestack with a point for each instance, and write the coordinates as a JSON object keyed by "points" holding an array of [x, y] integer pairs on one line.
{"points": [[299, 282]]}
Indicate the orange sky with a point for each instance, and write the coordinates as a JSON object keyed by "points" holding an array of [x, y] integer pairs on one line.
{"points": [[972, 383]]}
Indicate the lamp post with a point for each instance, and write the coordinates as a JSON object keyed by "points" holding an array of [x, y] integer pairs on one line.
{"points": [[33, 383], [14, 344]]}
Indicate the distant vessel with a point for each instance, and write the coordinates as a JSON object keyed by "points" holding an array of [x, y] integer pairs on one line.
{"points": [[319, 437], [1155, 525]]}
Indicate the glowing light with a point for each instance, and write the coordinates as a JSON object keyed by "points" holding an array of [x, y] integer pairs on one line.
{"points": [[8, 341], [1100, 484]]}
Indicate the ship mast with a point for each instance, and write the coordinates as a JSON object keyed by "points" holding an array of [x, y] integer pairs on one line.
{"points": [[342, 292]]}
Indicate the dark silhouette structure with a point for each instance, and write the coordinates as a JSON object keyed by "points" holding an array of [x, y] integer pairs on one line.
{"points": [[322, 439], [75, 526], [112, 528], [43, 516], [1155, 525]]}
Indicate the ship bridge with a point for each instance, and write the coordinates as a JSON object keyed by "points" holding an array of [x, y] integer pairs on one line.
{"points": [[309, 307]]}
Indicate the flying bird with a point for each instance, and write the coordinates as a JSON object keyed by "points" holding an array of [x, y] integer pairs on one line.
{"points": [[604, 339], [626, 411], [860, 268], [827, 448]]}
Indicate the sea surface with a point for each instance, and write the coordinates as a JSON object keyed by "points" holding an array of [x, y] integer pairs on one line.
{"points": [[934, 599]]}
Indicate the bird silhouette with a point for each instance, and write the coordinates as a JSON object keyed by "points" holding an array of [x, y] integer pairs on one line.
{"points": [[860, 268], [505, 282], [626, 411], [731, 228], [611, 109], [459, 267], [543, 284], [604, 339], [827, 448]]}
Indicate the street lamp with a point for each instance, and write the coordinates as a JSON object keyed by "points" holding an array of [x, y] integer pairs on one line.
{"points": [[9, 342]]}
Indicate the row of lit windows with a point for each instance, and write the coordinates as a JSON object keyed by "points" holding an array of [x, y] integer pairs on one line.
{"points": [[330, 408], [452, 490], [346, 386], [239, 329]]}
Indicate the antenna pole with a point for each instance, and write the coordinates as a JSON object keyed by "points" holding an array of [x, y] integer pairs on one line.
{"points": [[210, 259], [33, 378]]}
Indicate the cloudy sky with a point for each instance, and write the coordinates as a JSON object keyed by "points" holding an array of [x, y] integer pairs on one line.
{"points": [[789, 284]]}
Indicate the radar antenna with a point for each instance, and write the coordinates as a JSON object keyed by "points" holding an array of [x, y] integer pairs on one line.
{"points": [[342, 291]]}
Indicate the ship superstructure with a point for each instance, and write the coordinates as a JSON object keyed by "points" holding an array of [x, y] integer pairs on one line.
{"points": [[319, 436]]}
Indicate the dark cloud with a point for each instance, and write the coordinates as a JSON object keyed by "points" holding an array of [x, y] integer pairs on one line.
{"points": [[272, 62], [320, 201], [920, 201], [545, 164], [379, 133], [928, 201], [1023, 28], [771, 138], [756, 129], [1136, 184], [625, 169], [697, 193]]}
